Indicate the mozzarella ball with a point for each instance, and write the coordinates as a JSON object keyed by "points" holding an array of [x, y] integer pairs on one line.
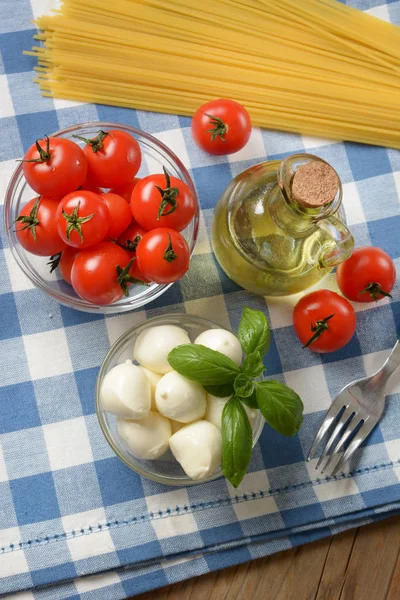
{"points": [[215, 406], [147, 438], [125, 391], [176, 426], [180, 399], [198, 448], [153, 378], [154, 344], [222, 341]]}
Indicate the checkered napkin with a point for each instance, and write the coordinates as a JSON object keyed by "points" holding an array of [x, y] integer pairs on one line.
{"points": [[73, 517]]}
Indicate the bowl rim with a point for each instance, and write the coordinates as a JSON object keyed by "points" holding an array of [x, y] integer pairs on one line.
{"points": [[117, 345], [131, 303]]}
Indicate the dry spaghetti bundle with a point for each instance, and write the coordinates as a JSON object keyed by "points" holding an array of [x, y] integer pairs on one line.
{"points": [[311, 66]]}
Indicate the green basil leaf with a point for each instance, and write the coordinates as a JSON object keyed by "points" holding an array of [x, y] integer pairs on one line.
{"points": [[221, 391], [203, 365], [251, 401], [253, 331], [280, 406], [243, 386], [237, 441], [253, 364]]}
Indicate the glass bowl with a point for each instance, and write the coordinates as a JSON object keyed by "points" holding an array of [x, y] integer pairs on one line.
{"points": [[166, 469], [155, 155]]}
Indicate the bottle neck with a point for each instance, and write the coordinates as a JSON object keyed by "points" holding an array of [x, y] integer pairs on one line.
{"points": [[289, 216]]}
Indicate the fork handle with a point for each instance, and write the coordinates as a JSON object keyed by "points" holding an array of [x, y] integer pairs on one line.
{"points": [[392, 362]]}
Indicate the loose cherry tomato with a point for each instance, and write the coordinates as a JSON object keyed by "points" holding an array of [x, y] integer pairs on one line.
{"points": [[324, 321], [162, 201], [113, 158], [126, 189], [120, 214], [100, 274], [368, 275], [163, 255], [221, 127], [66, 261], [54, 166], [82, 219], [36, 227], [90, 186]]}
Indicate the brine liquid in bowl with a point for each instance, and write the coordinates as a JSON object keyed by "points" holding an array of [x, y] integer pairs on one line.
{"points": [[155, 156], [165, 469]]}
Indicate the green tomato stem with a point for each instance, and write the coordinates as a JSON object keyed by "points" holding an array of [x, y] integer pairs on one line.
{"points": [[375, 291], [318, 328]]}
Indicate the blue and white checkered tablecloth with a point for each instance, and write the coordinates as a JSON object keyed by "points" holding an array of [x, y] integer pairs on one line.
{"points": [[69, 509]]}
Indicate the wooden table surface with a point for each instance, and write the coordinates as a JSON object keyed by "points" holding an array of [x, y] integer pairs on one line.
{"points": [[360, 564]]}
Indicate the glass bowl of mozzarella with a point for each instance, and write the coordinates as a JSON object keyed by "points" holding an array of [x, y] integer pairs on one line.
{"points": [[160, 424]]}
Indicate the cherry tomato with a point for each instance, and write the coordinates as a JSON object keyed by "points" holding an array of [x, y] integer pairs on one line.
{"points": [[113, 158], [126, 189], [36, 227], [368, 275], [163, 255], [90, 186], [324, 321], [129, 239], [67, 259], [162, 201], [82, 219], [221, 127], [54, 166], [100, 274], [120, 214]]}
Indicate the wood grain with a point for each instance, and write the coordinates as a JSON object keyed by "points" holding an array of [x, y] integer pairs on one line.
{"points": [[360, 564]]}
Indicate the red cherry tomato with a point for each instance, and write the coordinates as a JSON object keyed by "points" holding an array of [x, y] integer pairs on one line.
{"points": [[221, 127], [126, 189], [36, 227], [324, 321], [368, 275], [54, 166], [67, 259], [100, 274], [82, 219], [163, 255], [90, 186], [162, 201], [120, 214], [113, 158], [130, 239]]}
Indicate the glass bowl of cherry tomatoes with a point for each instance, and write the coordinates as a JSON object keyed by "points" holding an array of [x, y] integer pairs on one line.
{"points": [[102, 217]]}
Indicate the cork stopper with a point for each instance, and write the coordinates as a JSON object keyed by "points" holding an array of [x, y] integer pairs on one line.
{"points": [[315, 184]]}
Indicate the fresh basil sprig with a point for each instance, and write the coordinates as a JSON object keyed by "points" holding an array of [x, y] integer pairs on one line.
{"points": [[253, 331], [281, 407], [237, 441], [203, 365]]}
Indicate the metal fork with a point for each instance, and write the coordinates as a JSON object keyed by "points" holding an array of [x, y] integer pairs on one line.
{"points": [[354, 413]]}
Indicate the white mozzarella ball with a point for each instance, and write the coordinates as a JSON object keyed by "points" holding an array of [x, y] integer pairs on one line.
{"points": [[180, 399], [125, 391], [215, 406], [198, 448], [153, 378], [154, 344], [147, 438], [222, 341], [176, 426]]}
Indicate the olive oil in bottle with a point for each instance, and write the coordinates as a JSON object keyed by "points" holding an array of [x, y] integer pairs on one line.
{"points": [[279, 226]]}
